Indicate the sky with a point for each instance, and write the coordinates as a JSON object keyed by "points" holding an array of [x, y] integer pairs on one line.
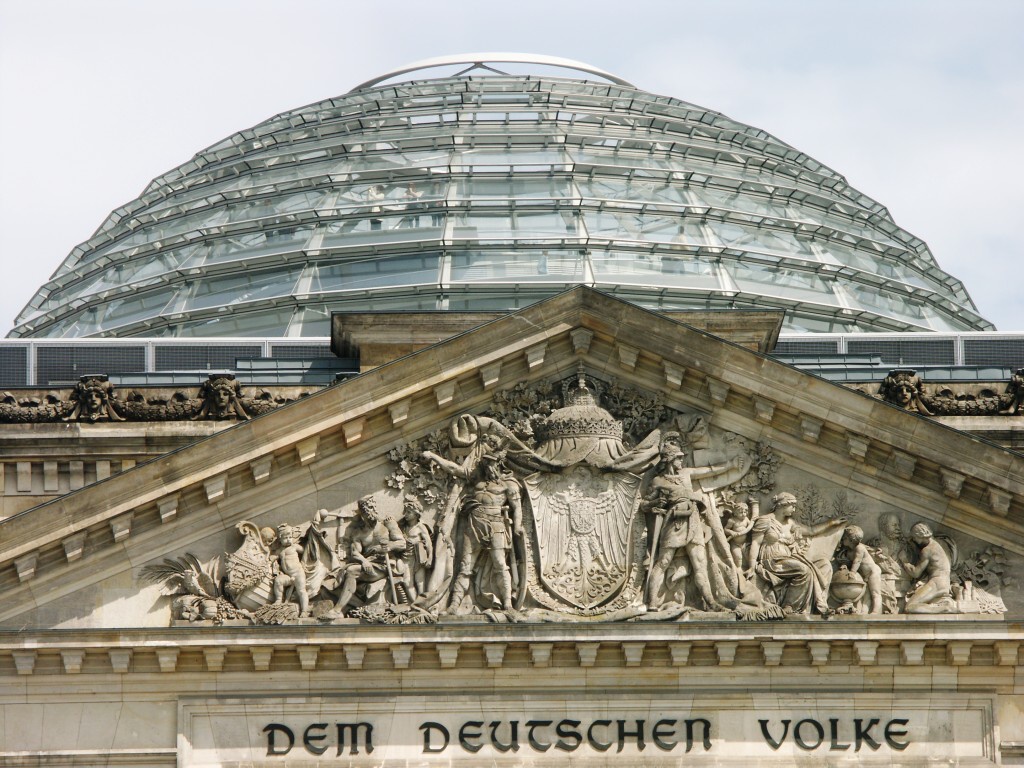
{"points": [[919, 104]]}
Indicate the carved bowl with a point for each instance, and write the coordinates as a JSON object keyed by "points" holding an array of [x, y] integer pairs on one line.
{"points": [[847, 586]]}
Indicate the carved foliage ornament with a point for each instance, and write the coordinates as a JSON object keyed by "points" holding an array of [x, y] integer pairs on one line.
{"points": [[904, 388], [95, 399]]}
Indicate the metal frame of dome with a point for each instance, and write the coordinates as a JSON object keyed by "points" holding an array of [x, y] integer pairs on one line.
{"points": [[484, 60], [489, 193]]}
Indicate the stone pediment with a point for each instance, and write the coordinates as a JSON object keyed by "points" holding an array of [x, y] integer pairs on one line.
{"points": [[639, 469]]}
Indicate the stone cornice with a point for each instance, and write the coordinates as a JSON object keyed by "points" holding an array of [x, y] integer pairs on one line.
{"points": [[840, 644]]}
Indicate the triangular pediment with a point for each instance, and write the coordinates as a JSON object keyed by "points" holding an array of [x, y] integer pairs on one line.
{"points": [[79, 561]]}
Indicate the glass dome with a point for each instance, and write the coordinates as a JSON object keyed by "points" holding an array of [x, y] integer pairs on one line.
{"points": [[490, 190]]}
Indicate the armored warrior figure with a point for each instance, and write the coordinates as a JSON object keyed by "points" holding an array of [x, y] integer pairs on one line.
{"points": [[678, 507], [491, 515], [369, 544]]}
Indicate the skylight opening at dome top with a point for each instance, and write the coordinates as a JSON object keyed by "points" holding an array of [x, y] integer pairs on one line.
{"points": [[462, 183]]}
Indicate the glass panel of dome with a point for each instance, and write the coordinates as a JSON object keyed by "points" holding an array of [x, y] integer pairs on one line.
{"points": [[390, 229], [789, 283], [262, 323], [620, 159], [741, 201], [237, 289], [521, 266], [375, 272], [633, 191], [483, 160], [665, 269], [617, 225], [138, 307], [255, 244], [506, 224], [388, 162], [885, 302], [762, 239], [555, 187], [497, 301]]}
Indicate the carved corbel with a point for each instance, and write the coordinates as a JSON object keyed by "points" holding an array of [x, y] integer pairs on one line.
{"points": [[535, 355], [764, 410], [72, 659], [674, 374], [903, 465], [628, 356], [998, 501], [306, 449], [490, 375], [581, 339], [121, 526], [448, 654], [952, 482], [26, 566], [718, 390], [215, 487], [445, 393], [772, 651], [857, 446], [260, 469], [73, 546], [354, 431], [810, 428], [399, 412], [540, 654], [587, 653]]}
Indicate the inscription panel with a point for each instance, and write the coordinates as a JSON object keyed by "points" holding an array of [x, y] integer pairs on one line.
{"points": [[660, 730]]}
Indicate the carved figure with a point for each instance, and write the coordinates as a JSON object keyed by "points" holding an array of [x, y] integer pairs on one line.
{"points": [[1015, 388], [292, 575], [222, 398], [890, 549], [902, 387], [491, 515], [419, 546], [196, 590], [93, 400], [677, 507], [860, 562], [933, 593], [793, 577], [369, 547], [739, 525]]}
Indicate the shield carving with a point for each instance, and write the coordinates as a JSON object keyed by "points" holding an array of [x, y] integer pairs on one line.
{"points": [[582, 519]]}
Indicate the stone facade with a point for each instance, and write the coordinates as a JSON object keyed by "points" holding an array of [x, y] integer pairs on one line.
{"points": [[579, 534]]}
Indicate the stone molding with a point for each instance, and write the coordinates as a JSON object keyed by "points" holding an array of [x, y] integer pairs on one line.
{"points": [[977, 644]]}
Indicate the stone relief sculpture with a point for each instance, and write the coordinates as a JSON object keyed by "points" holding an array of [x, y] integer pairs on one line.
{"points": [[92, 400], [788, 562], [1015, 391], [222, 398], [583, 500], [904, 388], [371, 548], [95, 399]]}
